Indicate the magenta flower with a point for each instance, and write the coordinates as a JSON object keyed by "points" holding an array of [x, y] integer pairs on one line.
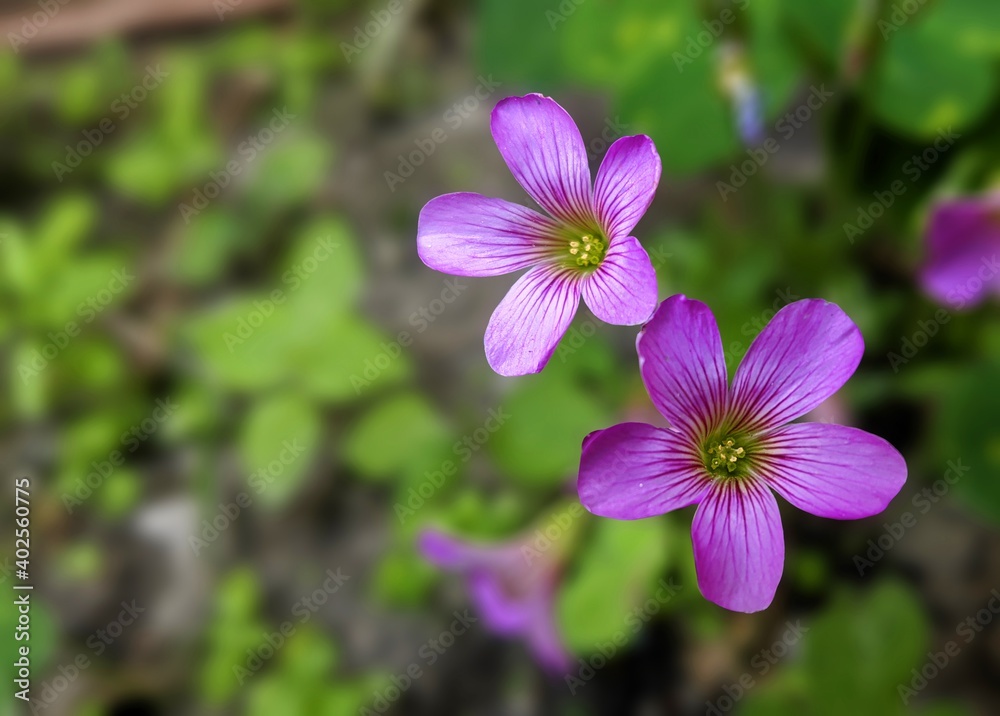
{"points": [[583, 248], [728, 447], [513, 590], [963, 240]]}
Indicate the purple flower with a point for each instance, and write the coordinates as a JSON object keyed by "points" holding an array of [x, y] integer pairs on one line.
{"points": [[963, 240], [513, 590], [583, 248], [728, 447]]}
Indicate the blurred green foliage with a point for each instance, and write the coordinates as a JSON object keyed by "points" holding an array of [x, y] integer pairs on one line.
{"points": [[251, 312]]}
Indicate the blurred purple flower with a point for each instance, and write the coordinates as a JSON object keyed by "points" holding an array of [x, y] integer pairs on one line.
{"points": [[583, 248], [513, 589], [963, 243], [744, 94], [750, 115], [727, 448]]}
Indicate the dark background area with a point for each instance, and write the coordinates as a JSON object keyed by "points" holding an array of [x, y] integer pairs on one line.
{"points": [[225, 368]]}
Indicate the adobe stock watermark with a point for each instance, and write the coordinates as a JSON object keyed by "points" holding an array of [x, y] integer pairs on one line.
{"points": [[901, 14], [428, 654], [562, 12], [634, 621], [248, 150], [453, 118], [259, 481], [910, 345], [131, 440], [365, 34], [97, 643], [697, 44], [912, 169], [750, 329], [545, 537], [612, 132], [32, 24], [922, 503], [761, 662], [88, 310], [577, 336], [787, 126], [937, 661], [463, 449], [222, 7], [293, 278], [122, 108], [303, 610], [420, 319], [968, 288]]}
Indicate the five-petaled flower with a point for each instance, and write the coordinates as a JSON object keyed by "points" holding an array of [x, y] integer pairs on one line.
{"points": [[963, 242], [514, 594], [583, 248], [728, 447]]}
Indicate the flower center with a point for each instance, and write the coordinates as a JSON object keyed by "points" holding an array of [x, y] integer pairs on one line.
{"points": [[588, 250], [723, 456]]}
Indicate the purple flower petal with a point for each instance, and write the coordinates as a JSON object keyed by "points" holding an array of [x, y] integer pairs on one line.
{"points": [[963, 241], [634, 470], [546, 643], [446, 551], [468, 234], [545, 152], [832, 470], [527, 325], [512, 597], [739, 550], [802, 357], [682, 365], [626, 183], [503, 613], [622, 290], [530, 615]]}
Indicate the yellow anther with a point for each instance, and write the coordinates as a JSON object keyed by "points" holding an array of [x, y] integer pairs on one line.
{"points": [[588, 250], [725, 453]]}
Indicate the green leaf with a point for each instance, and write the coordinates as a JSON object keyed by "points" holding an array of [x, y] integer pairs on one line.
{"points": [[885, 634], [17, 262], [534, 30], [966, 433], [324, 268], [617, 571], [549, 417], [29, 385], [212, 237], [972, 26], [64, 225], [924, 83], [772, 58], [273, 695], [241, 343], [87, 288], [151, 168], [278, 442], [403, 578], [347, 358], [120, 492], [233, 631], [254, 343], [289, 171], [396, 434], [309, 658], [825, 25]]}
